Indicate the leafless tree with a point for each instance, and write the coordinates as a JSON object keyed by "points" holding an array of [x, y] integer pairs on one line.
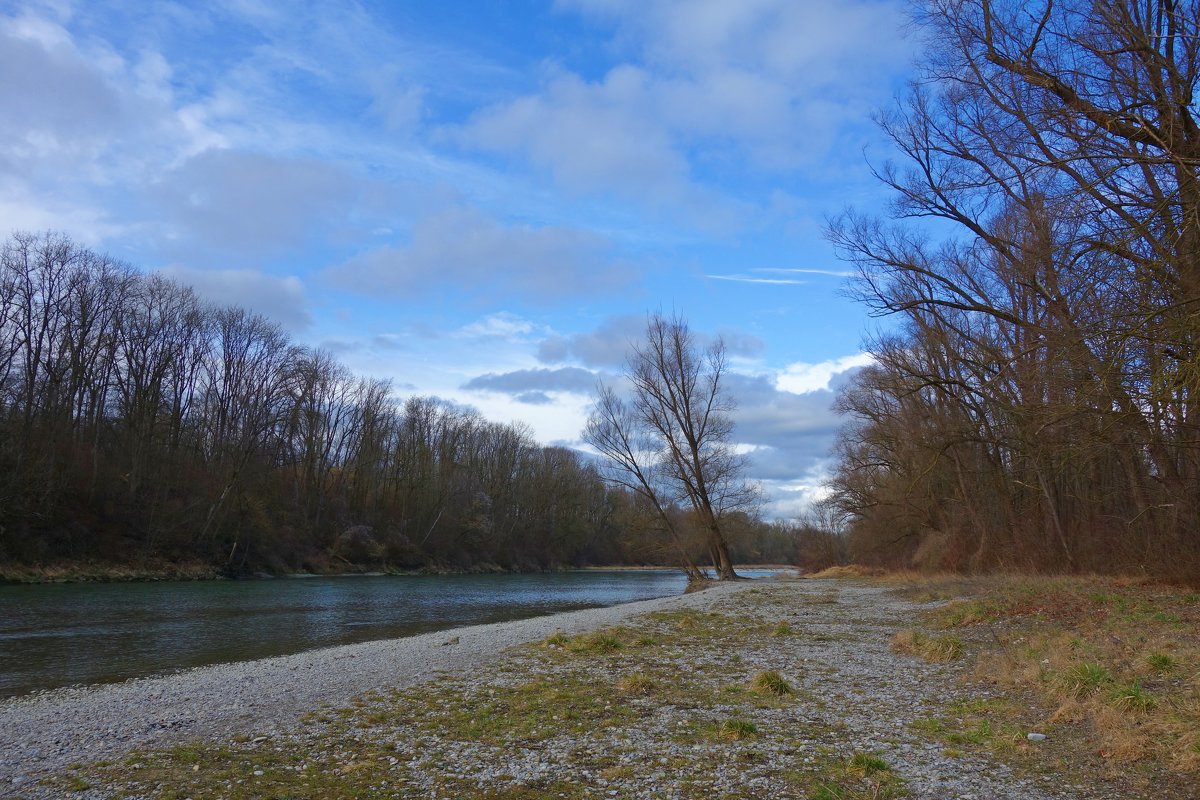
{"points": [[677, 431], [631, 461], [1050, 347]]}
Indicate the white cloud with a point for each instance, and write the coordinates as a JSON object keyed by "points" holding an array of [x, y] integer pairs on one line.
{"points": [[767, 83], [834, 273], [802, 378], [605, 346], [749, 279], [246, 203], [794, 497], [502, 325], [76, 113], [589, 136], [523, 382]]}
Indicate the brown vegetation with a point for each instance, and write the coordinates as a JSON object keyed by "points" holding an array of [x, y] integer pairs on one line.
{"points": [[1038, 406], [1112, 662], [144, 432]]}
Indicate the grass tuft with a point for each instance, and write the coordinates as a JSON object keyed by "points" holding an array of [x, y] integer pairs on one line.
{"points": [[1132, 698], [598, 642], [557, 639], [772, 683], [934, 649], [637, 684], [1084, 680], [868, 764], [1161, 663], [738, 729]]}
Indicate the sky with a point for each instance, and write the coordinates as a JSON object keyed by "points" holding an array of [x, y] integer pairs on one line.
{"points": [[478, 200]]}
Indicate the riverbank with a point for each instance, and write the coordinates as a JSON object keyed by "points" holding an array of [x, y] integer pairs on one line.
{"points": [[47, 731], [153, 571], [787, 688]]}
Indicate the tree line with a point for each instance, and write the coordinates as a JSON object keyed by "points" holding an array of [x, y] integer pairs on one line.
{"points": [[1037, 404], [138, 422]]}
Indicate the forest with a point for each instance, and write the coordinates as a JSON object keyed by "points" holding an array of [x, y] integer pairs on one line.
{"points": [[140, 425], [1035, 402]]}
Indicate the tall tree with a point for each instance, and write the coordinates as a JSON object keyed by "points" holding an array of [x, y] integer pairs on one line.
{"points": [[1052, 341], [680, 416], [630, 462]]}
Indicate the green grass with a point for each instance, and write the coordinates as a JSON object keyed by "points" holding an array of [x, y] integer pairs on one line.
{"points": [[865, 776], [598, 642], [1161, 663], [1085, 679], [1132, 698]]}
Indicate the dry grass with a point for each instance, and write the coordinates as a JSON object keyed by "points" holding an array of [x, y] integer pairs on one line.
{"points": [[771, 683], [637, 684], [931, 648], [850, 571], [1117, 657]]}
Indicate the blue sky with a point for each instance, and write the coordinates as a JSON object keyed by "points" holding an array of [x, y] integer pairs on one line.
{"points": [[479, 200]]}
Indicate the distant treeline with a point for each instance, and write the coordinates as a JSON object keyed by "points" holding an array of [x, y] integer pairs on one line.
{"points": [[1038, 406], [139, 423]]}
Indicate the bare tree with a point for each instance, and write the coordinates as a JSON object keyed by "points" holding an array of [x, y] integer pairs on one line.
{"points": [[680, 417], [630, 462], [1048, 356]]}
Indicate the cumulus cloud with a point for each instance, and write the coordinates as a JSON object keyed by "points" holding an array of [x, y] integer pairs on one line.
{"points": [[56, 102], [789, 435], [280, 299], [814, 41], [608, 344], [788, 432], [590, 136], [802, 377], [469, 252], [766, 83], [501, 325], [84, 128], [534, 398]]}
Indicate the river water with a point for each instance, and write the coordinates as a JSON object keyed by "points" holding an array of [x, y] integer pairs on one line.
{"points": [[63, 634]]}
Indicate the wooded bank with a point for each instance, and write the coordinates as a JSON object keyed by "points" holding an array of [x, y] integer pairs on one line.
{"points": [[143, 428], [1038, 405]]}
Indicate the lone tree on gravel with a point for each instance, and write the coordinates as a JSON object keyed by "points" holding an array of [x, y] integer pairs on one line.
{"points": [[671, 440]]}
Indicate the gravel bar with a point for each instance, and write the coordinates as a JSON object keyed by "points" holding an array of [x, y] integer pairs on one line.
{"points": [[46, 731]]}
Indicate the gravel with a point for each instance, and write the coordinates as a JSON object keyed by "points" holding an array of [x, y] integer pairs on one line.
{"points": [[854, 695], [46, 731]]}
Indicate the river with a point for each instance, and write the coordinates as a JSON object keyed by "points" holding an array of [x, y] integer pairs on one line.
{"points": [[63, 634]]}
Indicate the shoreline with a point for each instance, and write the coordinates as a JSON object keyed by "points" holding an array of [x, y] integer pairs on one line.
{"points": [[114, 574], [187, 573], [46, 731]]}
